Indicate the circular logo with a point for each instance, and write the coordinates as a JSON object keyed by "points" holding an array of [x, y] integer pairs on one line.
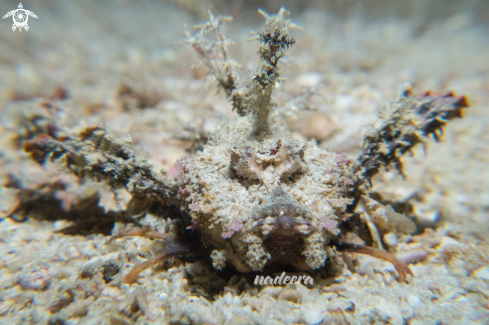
{"points": [[20, 17]]}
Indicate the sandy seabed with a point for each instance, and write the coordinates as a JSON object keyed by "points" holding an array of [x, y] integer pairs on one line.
{"points": [[119, 65]]}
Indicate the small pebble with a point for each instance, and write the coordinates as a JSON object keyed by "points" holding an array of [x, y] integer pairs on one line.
{"points": [[390, 239], [111, 292], [449, 243], [228, 298], [37, 280], [416, 322], [414, 301], [462, 299], [163, 297], [318, 125], [482, 273], [310, 79], [4, 307]]}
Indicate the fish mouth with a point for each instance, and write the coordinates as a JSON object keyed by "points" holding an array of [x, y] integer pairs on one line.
{"points": [[283, 224], [284, 237], [281, 213], [284, 249]]}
